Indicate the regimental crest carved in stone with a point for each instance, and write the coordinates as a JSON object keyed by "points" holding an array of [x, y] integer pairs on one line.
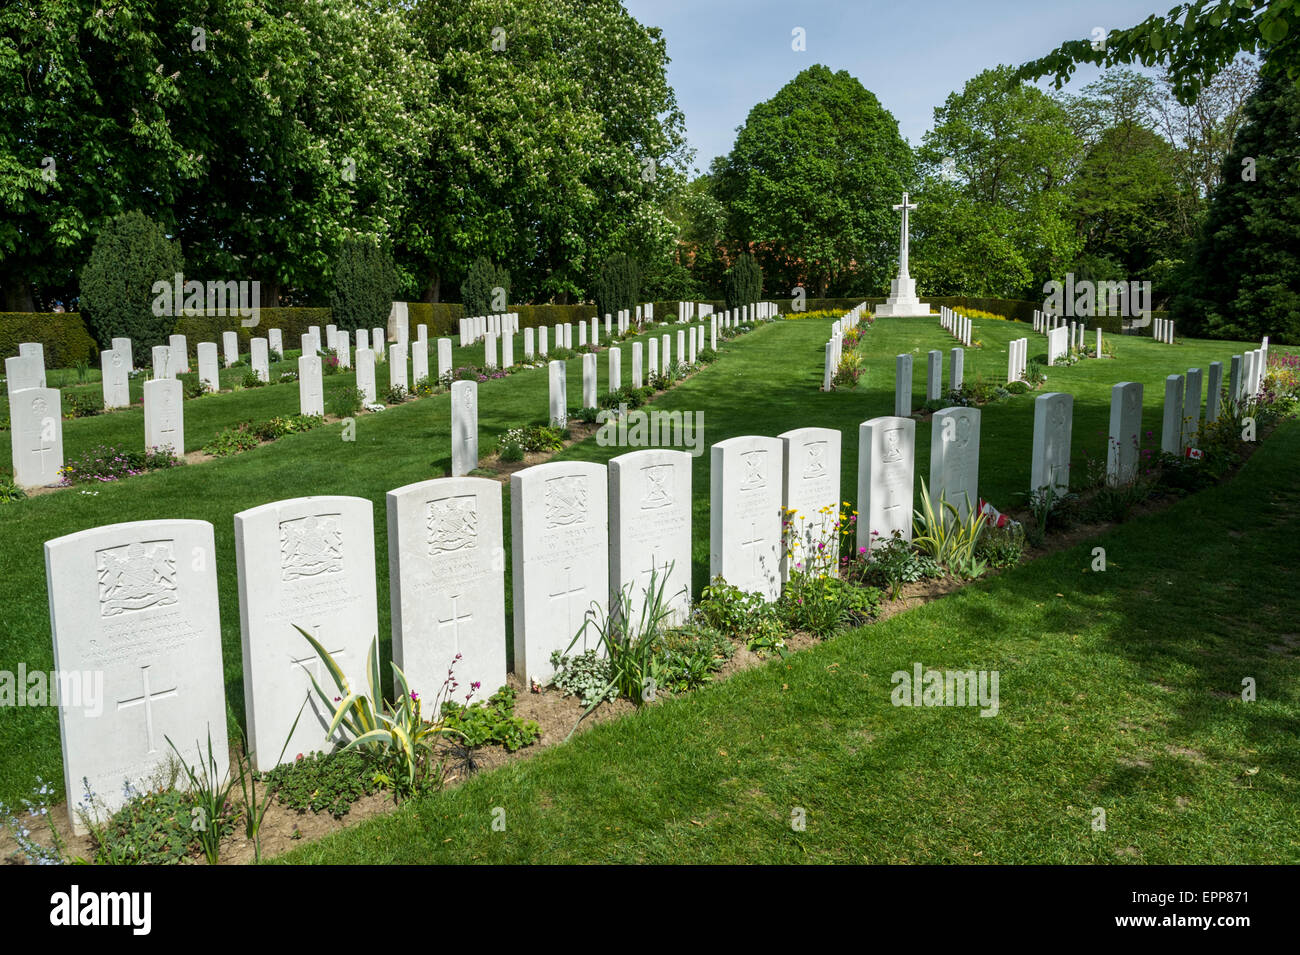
{"points": [[755, 470], [453, 525], [893, 442], [311, 546], [814, 464], [566, 501], [657, 486], [965, 428], [136, 577]]}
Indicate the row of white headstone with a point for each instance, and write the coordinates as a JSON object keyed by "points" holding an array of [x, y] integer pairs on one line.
{"points": [[1182, 410], [1064, 337], [834, 350], [1162, 330], [474, 329], [955, 324]]}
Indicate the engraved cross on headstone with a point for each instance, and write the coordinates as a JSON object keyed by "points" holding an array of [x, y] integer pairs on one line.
{"points": [[314, 661], [146, 700], [567, 596], [454, 621], [754, 543]]}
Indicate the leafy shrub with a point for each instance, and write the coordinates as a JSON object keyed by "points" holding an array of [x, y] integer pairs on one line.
{"points": [[427, 387], [395, 395], [940, 533], [517, 442], [477, 292], [491, 722], [896, 562], [627, 395], [1001, 546], [822, 604], [586, 676], [848, 371], [10, 491], [111, 463], [131, 253], [743, 283], [329, 363], [84, 405], [192, 386], [230, 441], [347, 403], [153, 828], [323, 782], [286, 377], [251, 380], [365, 281], [279, 426], [1017, 387]]}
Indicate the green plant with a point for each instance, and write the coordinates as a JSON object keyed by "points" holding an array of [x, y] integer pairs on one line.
{"points": [[10, 491], [1034, 374], [82, 366], [942, 534], [586, 676], [130, 254], [848, 371], [211, 799], [251, 380], [365, 281], [822, 605], [1001, 547], [347, 402], [323, 782], [396, 733], [192, 386], [1017, 387], [896, 562], [153, 827], [396, 395], [491, 721], [254, 810], [230, 441], [84, 406], [428, 386]]}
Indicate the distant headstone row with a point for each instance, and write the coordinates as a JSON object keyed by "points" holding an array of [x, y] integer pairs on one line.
{"points": [[835, 344], [955, 324]]}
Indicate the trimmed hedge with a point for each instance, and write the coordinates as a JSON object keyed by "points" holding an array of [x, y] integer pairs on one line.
{"points": [[292, 322], [63, 334]]}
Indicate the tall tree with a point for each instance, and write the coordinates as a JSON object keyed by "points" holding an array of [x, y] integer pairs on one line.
{"points": [[1244, 274], [810, 181]]}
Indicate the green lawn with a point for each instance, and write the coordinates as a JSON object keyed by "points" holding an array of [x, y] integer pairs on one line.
{"points": [[765, 383], [1118, 691]]}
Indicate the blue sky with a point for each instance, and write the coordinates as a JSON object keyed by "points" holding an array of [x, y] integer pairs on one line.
{"points": [[728, 55]]}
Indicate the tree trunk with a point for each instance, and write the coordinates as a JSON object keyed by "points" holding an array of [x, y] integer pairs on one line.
{"points": [[18, 296], [432, 287]]}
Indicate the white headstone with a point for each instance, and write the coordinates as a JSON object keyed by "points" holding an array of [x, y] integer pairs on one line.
{"points": [[363, 338], [886, 468], [1053, 424], [745, 489], [208, 370], [811, 495], [134, 608], [419, 360], [955, 459], [444, 357], [331, 336], [934, 375], [1213, 392], [397, 366], [123, 345], [1125, 433], [530, 347], [22, 372], [113, 369], [1171, 434], [1192, 407], [559, 407], [311, 389], [164, 415], [180, 354], [903, 386], [163, 361], [310, 563], [507, 349], [490, 351], [258, 358], [956, 368], [541, 341], [230, 347], [650, 528], [274, 341], [615, 369], [366, 374], [1057, 344], [559, 560], [446, 568], [589, 381], [36, 436], [343, 344], [638, 379], [464, 427], [377, 342]]}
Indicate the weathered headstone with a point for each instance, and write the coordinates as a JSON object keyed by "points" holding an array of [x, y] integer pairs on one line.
{"points": [[136, 624], [446, 567], [811, 497], [559, 560], [1053, 425], [955, 459], [464, 427], [886, 468], [208, 371], [1125, 433], [36, 436], [164, 415], [650, 529], [310, 563], [311, 389], [745, 489]]}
